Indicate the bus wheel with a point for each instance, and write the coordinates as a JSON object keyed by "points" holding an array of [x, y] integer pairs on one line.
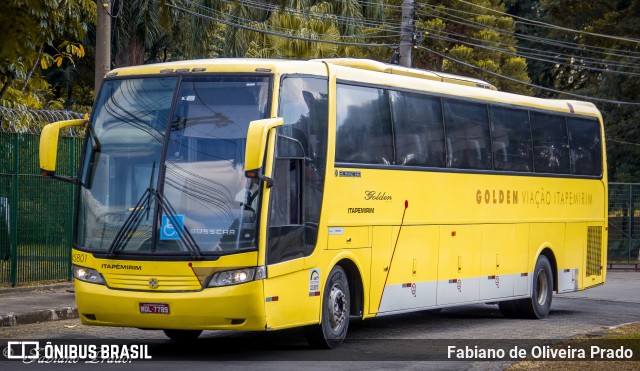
{"points": [[509, 308], [335, 312], [182, 335], [538, 306]]}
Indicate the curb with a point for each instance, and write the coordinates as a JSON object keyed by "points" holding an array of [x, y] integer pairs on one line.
{"points": [[54, 286], [58, 314]]}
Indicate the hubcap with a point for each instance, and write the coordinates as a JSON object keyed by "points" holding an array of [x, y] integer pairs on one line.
{"points": [[337, 308], [543, 287]]}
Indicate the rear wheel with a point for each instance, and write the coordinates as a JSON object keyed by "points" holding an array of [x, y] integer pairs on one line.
{"points": [[335, 312], [182, 335], [539, 304]]}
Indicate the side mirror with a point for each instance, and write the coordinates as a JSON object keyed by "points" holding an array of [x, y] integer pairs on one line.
{"points": [[257, 136], [49, 146]]}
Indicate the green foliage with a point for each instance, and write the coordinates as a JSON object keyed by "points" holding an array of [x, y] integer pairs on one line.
{"points": [[455, 41], [575, 72], [30, 28], [307, 29]]}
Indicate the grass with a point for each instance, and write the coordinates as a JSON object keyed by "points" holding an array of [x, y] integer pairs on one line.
{"points": [[627, 336]]}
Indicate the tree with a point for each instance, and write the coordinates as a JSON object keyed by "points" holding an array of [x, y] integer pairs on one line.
{"points": [[598, 60], [148, 31], [474, 33], [340, 24], [138, 27]]}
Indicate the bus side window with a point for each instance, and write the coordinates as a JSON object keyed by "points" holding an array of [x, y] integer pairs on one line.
{"points": [[511, 139], [363, 125], [586, 146], [550, 143], [286, 231], [419, 132], [467, 128]]}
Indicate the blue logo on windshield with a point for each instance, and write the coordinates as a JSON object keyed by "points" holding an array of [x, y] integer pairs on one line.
{"points": [[169, 231]]}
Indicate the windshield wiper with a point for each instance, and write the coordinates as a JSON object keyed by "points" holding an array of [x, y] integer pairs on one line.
{"points": [[133, 220]]}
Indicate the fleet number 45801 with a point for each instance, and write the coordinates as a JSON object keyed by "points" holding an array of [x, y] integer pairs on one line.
{"points": [[78, 258]]}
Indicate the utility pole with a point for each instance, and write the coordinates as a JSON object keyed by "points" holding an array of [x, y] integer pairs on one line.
{"points": [[103, 42], [406, 33]]}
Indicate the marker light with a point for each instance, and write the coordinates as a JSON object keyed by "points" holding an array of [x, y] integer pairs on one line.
{"points": [[87, 275]]}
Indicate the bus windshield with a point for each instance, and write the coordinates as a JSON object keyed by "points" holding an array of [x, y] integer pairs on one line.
{"points": [[163, 171]]}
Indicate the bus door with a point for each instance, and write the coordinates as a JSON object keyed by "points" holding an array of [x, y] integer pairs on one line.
{"points": [[287, 286]]}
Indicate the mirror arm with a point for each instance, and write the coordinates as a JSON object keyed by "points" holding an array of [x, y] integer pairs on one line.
{"points": [[255, 174], [66, 179]]}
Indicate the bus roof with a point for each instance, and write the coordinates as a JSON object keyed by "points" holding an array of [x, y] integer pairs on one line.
{"points": [[367, 64], [201, 65], [362, 70]]}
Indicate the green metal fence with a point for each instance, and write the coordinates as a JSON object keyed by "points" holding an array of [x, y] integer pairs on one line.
{"points": [[624, 223], [35, 212]]}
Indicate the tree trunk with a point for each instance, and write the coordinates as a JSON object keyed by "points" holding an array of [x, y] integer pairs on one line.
{"points": [[5, 87], [32, 69], [132, 55]]}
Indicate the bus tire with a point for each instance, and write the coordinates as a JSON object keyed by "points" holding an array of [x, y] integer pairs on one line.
{"points": [[539, 304], [334, 321], [509, 308], [182, 335]]}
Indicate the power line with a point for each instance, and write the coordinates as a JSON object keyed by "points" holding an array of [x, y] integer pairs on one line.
{"points": [[305, 14], [555, 57], [528, 56], [601, 100], [552, 26], [291, 36], [448, 16], [274, 33], [623, 142]]}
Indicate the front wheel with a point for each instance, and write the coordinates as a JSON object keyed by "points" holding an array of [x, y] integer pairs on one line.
{"points": [[335, 312], [182, 335], [539, 304]]}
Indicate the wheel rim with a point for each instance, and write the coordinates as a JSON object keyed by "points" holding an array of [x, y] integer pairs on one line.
{"points": [[337, 308], [543, 287]]}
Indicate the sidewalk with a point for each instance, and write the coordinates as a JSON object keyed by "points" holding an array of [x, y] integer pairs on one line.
{"points": [[25, 305]]}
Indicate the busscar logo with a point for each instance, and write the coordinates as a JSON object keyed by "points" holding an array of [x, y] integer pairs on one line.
{"points": [[348, 174]]}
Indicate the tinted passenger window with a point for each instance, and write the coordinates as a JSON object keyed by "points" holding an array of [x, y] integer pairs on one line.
{"points": [[586, 146], [550, 143], [467, 127], [363, 126], [511, 139], [418, 129]]}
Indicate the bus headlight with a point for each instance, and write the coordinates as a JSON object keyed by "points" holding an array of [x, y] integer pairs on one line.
{"points": [[87, 275], [237, 276]]}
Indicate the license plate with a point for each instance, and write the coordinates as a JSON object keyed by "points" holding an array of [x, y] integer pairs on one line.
{"points": [[154, 308]]}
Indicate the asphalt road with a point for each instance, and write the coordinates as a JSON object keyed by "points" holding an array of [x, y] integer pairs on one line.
{"points": [[409, 341]]}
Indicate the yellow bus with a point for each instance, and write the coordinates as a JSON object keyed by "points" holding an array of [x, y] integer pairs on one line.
{"points": [[247, 194]]}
